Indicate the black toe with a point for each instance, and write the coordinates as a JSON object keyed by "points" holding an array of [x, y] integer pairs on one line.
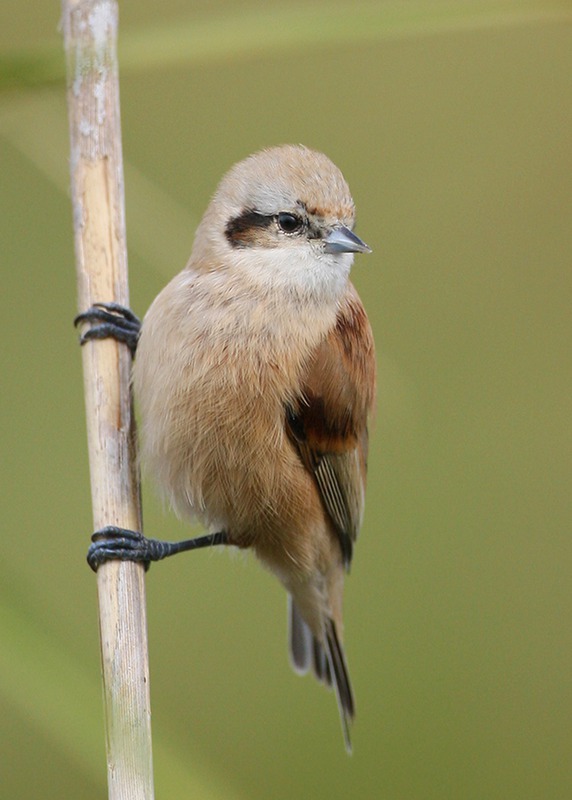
{"points": [[113, 543], [110, 321]]}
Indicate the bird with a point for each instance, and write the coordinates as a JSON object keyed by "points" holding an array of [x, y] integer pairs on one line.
{"points": [[255, 379]]}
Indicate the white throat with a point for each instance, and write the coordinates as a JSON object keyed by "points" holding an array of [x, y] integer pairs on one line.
{"points": [[298, 273]]}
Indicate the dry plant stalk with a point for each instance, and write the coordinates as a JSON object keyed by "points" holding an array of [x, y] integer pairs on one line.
{"points": [[90, 31]]}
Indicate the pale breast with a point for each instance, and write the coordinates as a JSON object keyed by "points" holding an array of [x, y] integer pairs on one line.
{"points": [[212, 377]]}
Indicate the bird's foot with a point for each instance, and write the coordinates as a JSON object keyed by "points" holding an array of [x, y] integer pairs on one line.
{"points": [[112, 321], [114, 543]]}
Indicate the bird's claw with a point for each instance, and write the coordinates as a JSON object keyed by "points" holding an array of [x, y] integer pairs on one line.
{"points": [[112, 321], [121, 544], [113, 543]]}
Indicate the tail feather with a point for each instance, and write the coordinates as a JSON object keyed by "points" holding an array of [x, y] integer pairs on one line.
{"points": [[300, 638], [342, 685], [320, 663], [327, 661]]}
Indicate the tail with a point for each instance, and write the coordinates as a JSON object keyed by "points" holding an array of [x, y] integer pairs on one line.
{"points": [[327, 660]]}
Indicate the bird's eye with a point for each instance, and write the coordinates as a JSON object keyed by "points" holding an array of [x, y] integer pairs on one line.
{"points": [[289, 223]]}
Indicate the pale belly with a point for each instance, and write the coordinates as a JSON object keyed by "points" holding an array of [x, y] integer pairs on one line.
{"points": [[216, 445], [212, 389]]}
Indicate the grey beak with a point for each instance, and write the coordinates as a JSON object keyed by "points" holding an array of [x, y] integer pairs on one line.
{"points": [[342, 240]]}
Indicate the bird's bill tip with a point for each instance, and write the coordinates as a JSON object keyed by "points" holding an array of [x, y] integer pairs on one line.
{"points": [[342, 240]]}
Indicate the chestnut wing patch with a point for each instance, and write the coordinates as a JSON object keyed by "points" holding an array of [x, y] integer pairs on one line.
{"points": [[339, 480], [329, 422]]}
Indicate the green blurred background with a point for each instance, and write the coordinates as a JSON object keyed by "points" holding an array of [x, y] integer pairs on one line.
{"points": [[452, 122]]}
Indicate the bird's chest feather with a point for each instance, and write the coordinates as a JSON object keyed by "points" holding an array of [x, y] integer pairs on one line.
{"points": [[213, 408]]}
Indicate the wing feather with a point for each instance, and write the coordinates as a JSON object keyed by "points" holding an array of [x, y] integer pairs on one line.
{"points": [[329, 421]]}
